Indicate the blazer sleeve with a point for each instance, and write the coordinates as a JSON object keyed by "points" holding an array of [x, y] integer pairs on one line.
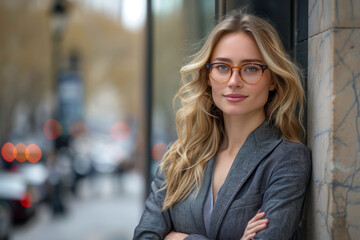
{"points": [[154, 223], [284, 198]]}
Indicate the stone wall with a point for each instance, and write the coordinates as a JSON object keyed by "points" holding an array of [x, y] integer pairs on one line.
{"points": [[333, 119]]}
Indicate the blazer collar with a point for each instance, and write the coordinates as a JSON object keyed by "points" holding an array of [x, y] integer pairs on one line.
{"points": [[197, 205], [257, 145]]}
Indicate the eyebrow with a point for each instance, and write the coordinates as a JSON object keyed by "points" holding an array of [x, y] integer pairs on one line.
{"points": [[222, 59]]}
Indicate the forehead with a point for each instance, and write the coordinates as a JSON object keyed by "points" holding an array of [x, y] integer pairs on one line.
{"points": [[237, 47]]}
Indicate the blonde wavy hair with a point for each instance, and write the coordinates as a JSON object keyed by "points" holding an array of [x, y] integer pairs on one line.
{"points": [[199, 122]]}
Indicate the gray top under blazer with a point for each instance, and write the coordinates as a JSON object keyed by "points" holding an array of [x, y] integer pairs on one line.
{"points": [[269, 173]]}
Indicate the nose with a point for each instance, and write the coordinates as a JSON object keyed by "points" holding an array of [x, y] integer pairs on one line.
{"points": [[235, 79]]}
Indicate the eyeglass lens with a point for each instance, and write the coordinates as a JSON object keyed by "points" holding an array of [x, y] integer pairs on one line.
{"points": [[250, 73]]}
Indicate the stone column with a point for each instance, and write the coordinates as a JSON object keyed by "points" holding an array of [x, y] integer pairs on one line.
{"points": [[333, 210]]}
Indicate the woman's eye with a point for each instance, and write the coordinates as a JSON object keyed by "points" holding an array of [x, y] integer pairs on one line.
{"points": [[252, 69], [222, 67]]}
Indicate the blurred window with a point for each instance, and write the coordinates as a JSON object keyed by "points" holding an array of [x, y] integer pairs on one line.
{"points": [[178, 28]]}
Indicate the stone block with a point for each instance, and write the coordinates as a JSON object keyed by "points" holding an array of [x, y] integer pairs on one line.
{"points": [[334, 133], [320, 16], [346, 129], [346, 13], [324, 15], [320, 112]]}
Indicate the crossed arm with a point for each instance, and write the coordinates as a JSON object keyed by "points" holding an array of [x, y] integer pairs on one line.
{"points": [[256, 224]]}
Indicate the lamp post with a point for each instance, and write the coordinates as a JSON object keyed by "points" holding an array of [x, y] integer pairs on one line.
{"points": [[58, 22], [148, 96]]}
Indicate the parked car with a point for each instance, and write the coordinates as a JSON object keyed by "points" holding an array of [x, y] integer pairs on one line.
{"points": [[15, 193]]}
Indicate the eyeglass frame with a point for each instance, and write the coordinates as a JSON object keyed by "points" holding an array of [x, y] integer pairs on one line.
{"points": [[263, 68]]}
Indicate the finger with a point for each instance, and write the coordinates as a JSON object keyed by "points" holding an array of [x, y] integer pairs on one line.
{"points": [[256, 229], [258, 226], [248, 237], [258, 216], [252, 235], [258, 222]]}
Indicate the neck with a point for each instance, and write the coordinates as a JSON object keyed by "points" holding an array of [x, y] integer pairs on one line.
{"points": [[237, 129]]}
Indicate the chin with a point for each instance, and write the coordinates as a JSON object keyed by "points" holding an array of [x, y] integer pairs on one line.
{"points": [[244, 112], [235, 112]]}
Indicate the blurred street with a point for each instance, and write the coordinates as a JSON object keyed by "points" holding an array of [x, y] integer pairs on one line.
{"points": [[85, 115], [107, 207]]}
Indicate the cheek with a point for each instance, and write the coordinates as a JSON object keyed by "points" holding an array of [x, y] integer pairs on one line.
{"points": [[216, 94], [215, 88], [261, 94]]}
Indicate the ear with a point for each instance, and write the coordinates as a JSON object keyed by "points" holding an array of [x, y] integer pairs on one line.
{"points": [[209, 82], [272, 86]]}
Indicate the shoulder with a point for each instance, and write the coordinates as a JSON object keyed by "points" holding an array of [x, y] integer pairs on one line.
{"points": [[293, 147], [285, 147], [293, 155]]}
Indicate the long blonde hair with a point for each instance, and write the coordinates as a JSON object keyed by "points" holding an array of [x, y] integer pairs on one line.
{"points": [[200, 129]]}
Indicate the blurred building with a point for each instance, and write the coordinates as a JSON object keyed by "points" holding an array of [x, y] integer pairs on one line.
{"points": [[111, 67]]}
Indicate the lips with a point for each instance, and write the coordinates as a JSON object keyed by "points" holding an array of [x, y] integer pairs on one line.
{"points": [[235, 97]]}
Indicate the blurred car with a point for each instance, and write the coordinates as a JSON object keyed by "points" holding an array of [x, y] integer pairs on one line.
{"points": [[81, 150], [35, 176], [15, 193], [107, 155], [5, 220]]}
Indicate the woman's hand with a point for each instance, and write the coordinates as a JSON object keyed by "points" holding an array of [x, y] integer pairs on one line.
{"points": [[255, 225], [175, 236]]}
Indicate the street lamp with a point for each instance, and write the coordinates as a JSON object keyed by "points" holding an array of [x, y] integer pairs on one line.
{"points": [[58, 24], [58, 17]]}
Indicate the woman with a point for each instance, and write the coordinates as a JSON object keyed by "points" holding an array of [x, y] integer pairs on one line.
{"points": [[238, 155]]}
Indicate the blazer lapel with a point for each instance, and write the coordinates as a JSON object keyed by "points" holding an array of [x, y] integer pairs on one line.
{"points": [[198, 204], [258, 144]]}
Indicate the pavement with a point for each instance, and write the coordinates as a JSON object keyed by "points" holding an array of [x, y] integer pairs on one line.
{"points": [[107, 207]]}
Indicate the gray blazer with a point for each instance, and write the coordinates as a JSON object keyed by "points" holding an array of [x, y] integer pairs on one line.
{"points": [[269, 173]]}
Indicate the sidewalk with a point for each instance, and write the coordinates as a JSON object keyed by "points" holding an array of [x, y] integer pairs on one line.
{"points": [[108, 208]]}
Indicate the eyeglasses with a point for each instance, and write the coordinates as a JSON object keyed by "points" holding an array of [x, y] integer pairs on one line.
{"points": [[250, 73]]}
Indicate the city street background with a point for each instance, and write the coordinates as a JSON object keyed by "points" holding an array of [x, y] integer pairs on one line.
{"points": [[86, 110], [107, 207]]}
